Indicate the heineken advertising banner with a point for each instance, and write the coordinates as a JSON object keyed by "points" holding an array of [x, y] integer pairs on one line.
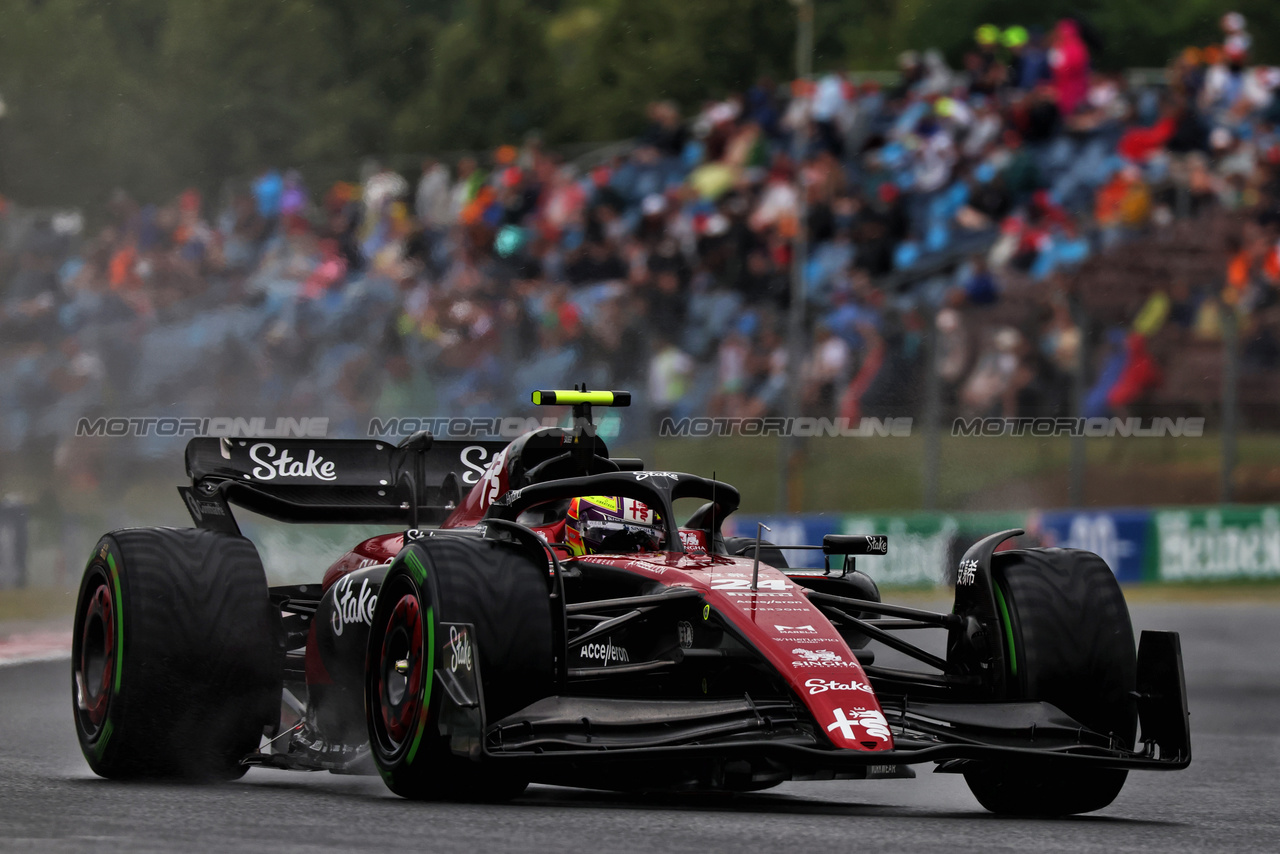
{"points": [[1216, 543], [1139, 544]]}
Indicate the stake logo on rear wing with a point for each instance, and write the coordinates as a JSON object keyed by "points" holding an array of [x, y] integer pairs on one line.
{"points": [[357, 481]]}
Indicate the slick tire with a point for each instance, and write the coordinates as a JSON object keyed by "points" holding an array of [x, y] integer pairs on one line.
{"points": [[501, 593], [1068, 642], [177, 666]]}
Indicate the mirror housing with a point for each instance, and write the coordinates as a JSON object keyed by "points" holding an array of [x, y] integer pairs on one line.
{"points": [[850, 544]]}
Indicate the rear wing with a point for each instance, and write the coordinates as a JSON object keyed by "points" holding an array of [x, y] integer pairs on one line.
{"points": [[355, 481]]}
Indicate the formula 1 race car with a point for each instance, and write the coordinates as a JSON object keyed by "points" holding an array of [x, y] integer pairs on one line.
{"points": [[539, 615]]}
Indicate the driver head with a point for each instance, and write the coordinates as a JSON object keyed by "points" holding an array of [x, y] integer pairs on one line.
{"points": [[599, 524]]}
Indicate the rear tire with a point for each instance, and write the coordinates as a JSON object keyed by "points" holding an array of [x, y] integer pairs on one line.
{"points": [[502, 593], [176, 666], [1068, 642]]}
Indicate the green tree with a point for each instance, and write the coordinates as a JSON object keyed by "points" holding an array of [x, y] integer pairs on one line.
{"points": [[156, 95], [248, 84], [613, 56], [490, 80], [69, 100]]}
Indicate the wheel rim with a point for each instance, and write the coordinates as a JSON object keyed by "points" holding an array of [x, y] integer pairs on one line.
{"points": [[400, 672], [95, 665]]}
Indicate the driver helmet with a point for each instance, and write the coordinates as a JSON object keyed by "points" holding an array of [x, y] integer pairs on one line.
{"points": [[611, 524]]}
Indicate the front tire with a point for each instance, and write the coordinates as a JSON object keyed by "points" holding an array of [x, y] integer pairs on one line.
{"points": [[499, 591], [176, 666], [1069, 642]]}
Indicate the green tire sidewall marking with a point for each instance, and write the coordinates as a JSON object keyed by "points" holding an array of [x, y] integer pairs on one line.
{"points": [[115, 581], [419, 574], [100, 746], [1008, 629], [416, 569], [430, 669], [108, 726]]}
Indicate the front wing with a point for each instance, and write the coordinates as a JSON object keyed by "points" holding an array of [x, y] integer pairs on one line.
{"points": [[581, 732]]}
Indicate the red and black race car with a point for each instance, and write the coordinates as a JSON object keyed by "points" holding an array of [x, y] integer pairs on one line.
{"points": [[484, 644]]}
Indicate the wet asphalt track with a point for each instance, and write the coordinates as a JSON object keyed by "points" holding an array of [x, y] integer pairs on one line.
{"points": [[1228, 800]]}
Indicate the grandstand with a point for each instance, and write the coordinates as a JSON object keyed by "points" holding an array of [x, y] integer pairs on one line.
{"points": [[1027, 238]]}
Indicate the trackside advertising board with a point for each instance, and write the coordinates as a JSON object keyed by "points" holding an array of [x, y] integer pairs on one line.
{"points": [[924, 548], [1139, 544], [1119, 537], [1231, 542]]}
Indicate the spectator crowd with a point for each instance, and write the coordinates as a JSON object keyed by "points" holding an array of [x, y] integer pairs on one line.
{"points": [[664, 266]]}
